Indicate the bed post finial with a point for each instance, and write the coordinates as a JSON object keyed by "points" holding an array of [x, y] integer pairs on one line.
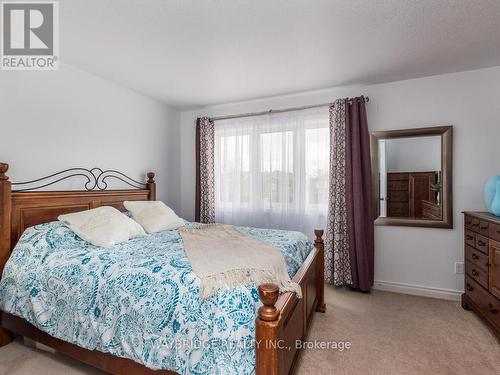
{"points": [[320, 282], [151, 177], [319, 235], [3, 169], [151, 186], [267, 355], [269, 294]]}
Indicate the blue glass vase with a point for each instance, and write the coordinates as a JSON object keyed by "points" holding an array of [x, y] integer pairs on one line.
{"points": [[495, 204], [490, 190]]}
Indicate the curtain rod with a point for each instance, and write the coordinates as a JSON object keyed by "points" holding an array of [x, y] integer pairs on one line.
{"points": [[228, 117]]}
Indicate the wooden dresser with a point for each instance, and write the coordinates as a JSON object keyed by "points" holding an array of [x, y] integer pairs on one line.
{"points": [[482, 267], [431, 210], [409, 194]]}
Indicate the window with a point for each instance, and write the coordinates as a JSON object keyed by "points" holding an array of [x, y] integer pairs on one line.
{"points": [[235, 169], [317, 167], [272, 171], [276, 169]]}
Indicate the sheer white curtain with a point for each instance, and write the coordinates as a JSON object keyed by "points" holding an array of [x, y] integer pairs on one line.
{"points": [[271, 171]]}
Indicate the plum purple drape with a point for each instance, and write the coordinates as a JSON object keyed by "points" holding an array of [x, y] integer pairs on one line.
{"points": [[350, 229]]}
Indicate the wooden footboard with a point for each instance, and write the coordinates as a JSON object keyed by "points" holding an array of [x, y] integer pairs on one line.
{"points": [[284, 320]]}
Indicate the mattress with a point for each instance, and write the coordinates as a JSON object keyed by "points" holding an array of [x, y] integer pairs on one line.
{"points": [[137, 300]]}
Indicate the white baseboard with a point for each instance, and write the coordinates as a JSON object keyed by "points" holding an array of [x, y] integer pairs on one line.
{"points": [[418, 290]]}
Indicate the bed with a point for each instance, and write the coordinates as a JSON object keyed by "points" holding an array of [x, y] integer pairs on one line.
{"points": [[94, 305]]}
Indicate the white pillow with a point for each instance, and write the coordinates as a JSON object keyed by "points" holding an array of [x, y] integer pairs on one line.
{"points": [[154, 216], [103, 226]]}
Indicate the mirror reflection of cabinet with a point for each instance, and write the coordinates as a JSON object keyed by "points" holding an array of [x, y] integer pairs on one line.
{"points": [[412, 176], [412, 195]]}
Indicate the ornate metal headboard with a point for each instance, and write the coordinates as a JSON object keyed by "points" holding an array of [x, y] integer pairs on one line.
{"points": [[23, 204], [96, 179]]}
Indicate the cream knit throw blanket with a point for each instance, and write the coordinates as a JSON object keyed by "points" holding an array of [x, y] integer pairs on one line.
{"points": [[223, 258]]}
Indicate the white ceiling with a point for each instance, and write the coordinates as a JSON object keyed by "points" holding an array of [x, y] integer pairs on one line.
{"points": [[190, 53]]}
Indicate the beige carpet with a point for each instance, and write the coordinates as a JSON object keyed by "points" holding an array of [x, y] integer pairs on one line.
{"points": [[389, 333]]}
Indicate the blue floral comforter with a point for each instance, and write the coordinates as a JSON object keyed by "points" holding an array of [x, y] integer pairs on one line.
{"points": [[138, 299]]}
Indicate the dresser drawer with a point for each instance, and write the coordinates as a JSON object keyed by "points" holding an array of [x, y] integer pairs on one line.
{"points": [[470, 238], [398, 209], [477, 273], [398, 196], [484, 228], [430, 214], [494, 230], [477, 257], [475, 225], [431, 210], [398, 176], [468, 222], [489, 305], [398, 185], [482, 243]]}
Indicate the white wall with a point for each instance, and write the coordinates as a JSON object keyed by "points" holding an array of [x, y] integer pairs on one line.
{"points": [[469, 101], [418, 154], [69, 118]]}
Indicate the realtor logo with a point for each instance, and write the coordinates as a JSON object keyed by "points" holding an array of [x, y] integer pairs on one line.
{"points": [[30, 39]]}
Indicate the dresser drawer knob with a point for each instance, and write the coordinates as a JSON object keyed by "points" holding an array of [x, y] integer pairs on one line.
{"points": [[469, 287], [475, 256], [475, 273], [481, 243], [469, 237], [484, 228], [492, 309]]}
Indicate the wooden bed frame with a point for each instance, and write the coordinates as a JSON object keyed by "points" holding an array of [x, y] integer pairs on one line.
{"points": [[280, 322]]}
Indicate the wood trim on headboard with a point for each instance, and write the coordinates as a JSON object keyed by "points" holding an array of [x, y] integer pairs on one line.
{"points": [[5, 211], [22, 209]]}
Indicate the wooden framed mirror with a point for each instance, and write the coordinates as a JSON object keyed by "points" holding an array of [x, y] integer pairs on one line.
{"points": [[412, 177]]}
